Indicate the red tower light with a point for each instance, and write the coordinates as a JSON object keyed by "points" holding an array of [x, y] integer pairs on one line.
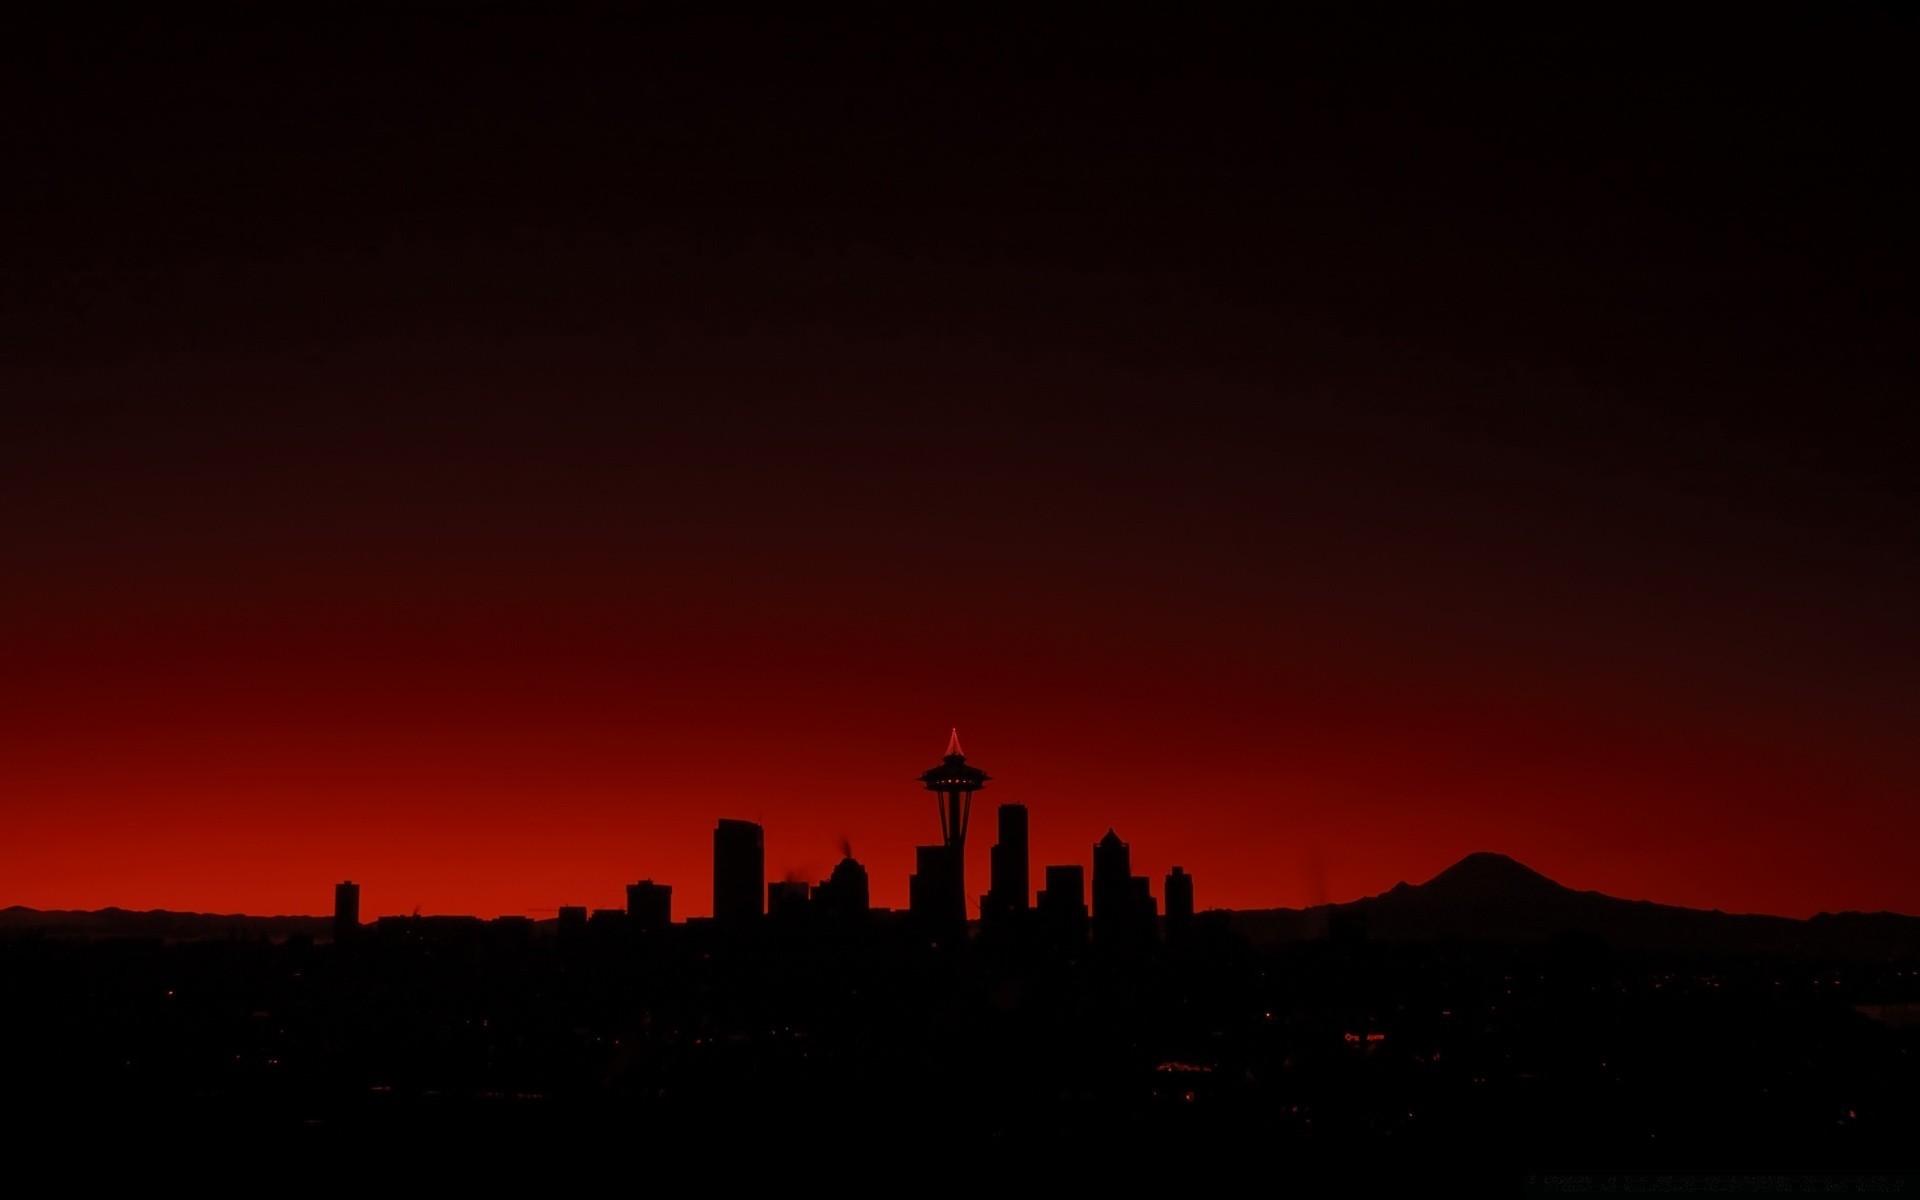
{"points": [[953, 784]]}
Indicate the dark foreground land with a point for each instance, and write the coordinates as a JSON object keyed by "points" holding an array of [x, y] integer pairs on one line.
{"points": [[784, 1049]]}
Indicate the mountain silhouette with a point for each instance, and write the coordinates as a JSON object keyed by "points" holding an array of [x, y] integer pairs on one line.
{"points": [[1492, 897], [1485, 877]]}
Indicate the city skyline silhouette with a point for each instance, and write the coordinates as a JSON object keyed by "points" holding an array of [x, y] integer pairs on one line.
{"points": [[742, 886], [1486, 1024], [471, 454], [1411, 511]]}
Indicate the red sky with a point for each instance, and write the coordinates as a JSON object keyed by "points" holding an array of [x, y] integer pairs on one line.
{"points": [[472, 461]]}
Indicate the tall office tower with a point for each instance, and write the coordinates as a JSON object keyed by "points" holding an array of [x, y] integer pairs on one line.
{"points": [[1112, 867], [1008, 893], [346, 910], [1062, 907], [1122, 904], [1142, 912], [937, 892], [649, 906], [1179, 889], [739, 870]]}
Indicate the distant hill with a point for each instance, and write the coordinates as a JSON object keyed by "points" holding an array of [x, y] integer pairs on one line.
{"points": [[1490, 897], [158, 923]]}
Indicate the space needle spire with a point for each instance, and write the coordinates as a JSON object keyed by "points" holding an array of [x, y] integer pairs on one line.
{"points": [[939, 885], [953, 783]]}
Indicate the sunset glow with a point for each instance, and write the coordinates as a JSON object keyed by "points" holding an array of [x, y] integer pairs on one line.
{"points": [[476, 475]]}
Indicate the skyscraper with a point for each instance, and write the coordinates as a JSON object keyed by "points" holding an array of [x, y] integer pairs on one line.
{"points": [[1112, 867], [1008, 892], [739, 870], [1179, 890], [1122, 902], [346, 910], [1062, 909]]}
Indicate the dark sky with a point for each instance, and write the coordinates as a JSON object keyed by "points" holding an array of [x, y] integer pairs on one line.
{"points": [[471, 448]]}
